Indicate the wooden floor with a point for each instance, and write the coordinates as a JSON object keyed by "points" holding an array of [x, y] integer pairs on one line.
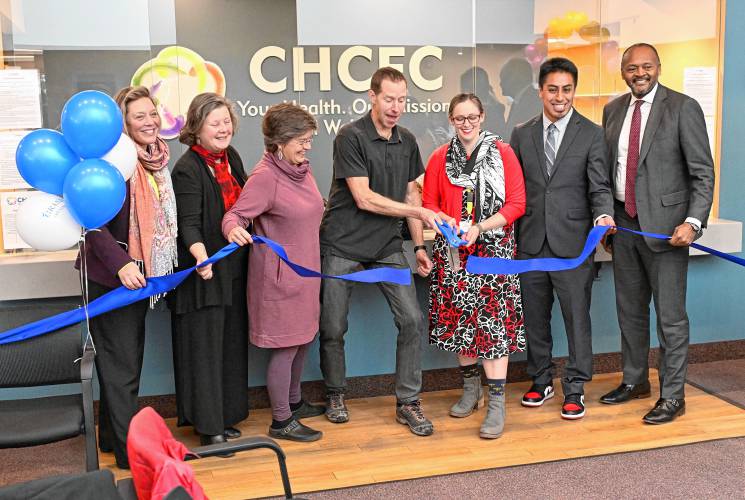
{"points": [[373, 448]]}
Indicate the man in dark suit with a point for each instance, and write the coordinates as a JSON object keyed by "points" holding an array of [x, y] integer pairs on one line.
{"points": [[663, 183], [567, 184]]}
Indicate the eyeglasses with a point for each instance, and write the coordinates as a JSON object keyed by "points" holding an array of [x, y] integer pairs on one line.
{"points": [[304, 142], [472, 119]]}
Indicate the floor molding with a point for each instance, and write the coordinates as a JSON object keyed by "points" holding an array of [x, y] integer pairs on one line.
{"points": [[449, 378]]}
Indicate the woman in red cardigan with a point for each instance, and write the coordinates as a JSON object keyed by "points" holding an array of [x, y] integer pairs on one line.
{"points": [[477, 180]]}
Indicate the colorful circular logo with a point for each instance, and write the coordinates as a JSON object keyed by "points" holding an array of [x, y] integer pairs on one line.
{"points": [[175, 76]]}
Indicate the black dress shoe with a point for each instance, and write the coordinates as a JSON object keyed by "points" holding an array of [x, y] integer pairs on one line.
{"points": [[307, 410], [232, 433], [295, 431], [666, 411], [626, 392], [206, 439]]}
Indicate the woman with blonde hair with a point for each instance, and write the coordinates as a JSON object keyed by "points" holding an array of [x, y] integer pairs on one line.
{"points": [[138, 243]]}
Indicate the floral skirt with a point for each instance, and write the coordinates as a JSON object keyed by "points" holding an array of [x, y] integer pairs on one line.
{"points": [[476, 315]]}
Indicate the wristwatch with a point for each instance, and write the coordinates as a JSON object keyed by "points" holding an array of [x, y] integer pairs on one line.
{"points": [[420, 247], [696, 229]]}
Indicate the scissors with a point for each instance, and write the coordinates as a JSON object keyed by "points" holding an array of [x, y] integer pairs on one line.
{"points": [[453, 239]]}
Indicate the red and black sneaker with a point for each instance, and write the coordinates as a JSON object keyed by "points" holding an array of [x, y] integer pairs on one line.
{"points": [[573, 407], [538, 394]]}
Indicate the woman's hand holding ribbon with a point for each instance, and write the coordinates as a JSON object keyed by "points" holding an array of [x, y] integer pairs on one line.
{"points": [[239, 236], [131, 277]]}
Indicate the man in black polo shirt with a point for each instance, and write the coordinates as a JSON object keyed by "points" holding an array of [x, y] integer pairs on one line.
{"points": [[376, 163]]}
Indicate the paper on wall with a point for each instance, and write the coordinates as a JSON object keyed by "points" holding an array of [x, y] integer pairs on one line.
{"points": [[9, 203], [20, 99], [10, 178]]}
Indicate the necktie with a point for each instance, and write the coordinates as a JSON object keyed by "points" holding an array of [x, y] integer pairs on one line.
{"points": [[632, 159], [550, 148]]}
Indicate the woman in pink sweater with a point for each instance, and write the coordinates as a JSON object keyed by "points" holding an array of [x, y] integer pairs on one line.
{"points": [[281, 200]]}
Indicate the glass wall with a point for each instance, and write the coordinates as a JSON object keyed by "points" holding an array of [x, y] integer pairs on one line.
{"points": [[321, 53]]}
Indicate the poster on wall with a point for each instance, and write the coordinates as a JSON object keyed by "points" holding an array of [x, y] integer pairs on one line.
{"points": [[701, 84], [10, 178], [9, 203], [20, 99]]}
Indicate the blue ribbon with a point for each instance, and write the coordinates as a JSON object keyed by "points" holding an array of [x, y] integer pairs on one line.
{"points": [[496, 265], [703, 248], [122, 296]]}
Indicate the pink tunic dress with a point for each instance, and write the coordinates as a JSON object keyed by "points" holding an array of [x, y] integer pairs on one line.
{"points": [[284, 204]]}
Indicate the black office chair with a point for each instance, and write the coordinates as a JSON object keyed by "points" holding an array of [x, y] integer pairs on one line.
{"points": [[51, 359], [126, 486], [100, 485]]}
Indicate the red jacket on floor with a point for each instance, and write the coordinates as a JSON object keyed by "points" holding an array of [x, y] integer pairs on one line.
{"points": [[157, 459]]}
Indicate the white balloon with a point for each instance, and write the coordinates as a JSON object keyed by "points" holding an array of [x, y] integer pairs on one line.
{"points": [[44, 222], [123, 156]]}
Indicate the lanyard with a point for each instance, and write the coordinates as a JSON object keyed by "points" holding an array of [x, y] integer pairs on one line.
{"points": [[469, 201]]}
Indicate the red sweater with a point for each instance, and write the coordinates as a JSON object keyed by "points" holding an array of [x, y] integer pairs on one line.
{"points": [[440, 195]]}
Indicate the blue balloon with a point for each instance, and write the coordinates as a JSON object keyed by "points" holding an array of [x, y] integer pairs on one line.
{"points": [[44, 159], [94, 192], [91, 123]]}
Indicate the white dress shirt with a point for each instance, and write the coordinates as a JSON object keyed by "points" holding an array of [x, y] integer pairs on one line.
{"points": [[623, 139], [623, 145]]}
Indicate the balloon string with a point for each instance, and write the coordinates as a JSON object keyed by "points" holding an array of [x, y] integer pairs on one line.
{"points": [[84, 290]]}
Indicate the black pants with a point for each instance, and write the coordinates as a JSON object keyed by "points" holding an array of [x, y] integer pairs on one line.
{"points": [[574, 289], [119, 336], [210, 358]]}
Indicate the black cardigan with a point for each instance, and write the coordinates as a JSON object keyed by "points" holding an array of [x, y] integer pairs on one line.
{"points": [[200, 212]]}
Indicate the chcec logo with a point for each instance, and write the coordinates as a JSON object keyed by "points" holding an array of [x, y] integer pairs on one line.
{"points": [[175, 76]]}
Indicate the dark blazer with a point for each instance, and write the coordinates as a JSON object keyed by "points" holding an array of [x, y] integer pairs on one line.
{"points": [[561, 209], [200, 211], [675, 176], [106, 248]]}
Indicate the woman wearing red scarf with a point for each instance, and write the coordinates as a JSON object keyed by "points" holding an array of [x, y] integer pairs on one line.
{"points": [[282, 202], [139, 242], [208, 310]]}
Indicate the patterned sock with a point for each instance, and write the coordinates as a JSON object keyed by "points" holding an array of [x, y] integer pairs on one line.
{"points": [[470, 371], [496, 386]]}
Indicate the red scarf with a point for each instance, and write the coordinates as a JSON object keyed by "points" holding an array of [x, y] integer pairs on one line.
{"points": [[219, 161]]}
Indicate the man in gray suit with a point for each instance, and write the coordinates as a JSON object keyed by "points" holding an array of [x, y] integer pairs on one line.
{"points": [[567, 184], [663, 183]]}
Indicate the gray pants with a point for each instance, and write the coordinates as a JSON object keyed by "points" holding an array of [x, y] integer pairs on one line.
{"points": [[335, 295], [640, 275]]}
